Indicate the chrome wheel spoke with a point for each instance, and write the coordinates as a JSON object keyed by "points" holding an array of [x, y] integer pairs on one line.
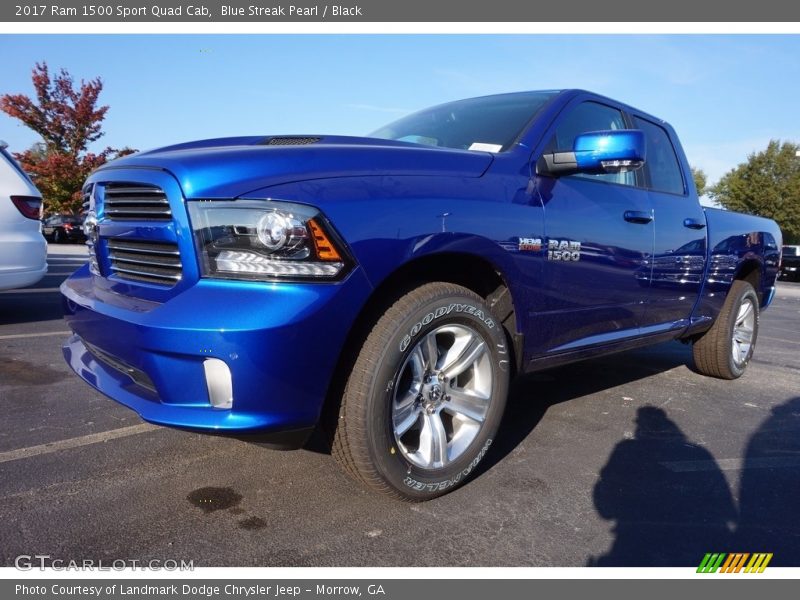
{"points": [[434, 422], [430, 351], [467, 404], [405, 414], [405, 417], [433, 441], [464, 357], [417, 363], [743, 332], [744, 311]]}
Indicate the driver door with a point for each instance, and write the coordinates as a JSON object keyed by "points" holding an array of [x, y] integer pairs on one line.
{"points": [[599, 237]]}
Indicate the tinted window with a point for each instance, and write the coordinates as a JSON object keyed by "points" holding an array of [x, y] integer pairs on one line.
{"points": [[492, 120], [662, 166], [586, 117]]}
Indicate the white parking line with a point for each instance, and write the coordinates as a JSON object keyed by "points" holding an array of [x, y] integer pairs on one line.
{"points": [[19, 336], [85, 440], [31, 291]]}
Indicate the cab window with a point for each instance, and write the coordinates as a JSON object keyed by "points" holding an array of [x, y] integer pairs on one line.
{"points": [[586, 117], [661, 167]]}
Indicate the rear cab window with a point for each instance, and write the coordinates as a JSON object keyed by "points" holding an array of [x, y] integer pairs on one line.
{"points": [[662, 171]]}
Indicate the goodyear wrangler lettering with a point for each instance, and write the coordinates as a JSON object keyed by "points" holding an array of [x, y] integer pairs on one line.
{"points": [[440, 312], [439, 486]]}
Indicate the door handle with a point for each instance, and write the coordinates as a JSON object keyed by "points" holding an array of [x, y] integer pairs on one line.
{"points": [[694, 223], [638, 216]]}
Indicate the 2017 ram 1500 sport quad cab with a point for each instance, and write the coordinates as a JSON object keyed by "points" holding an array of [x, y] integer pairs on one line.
{"points": [[396, 283]]}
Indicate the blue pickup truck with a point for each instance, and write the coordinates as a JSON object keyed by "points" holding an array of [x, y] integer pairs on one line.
{"points": [[389, 287]]}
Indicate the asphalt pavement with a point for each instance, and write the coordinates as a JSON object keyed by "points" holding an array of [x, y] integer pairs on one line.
{"points": [[628, 460]]}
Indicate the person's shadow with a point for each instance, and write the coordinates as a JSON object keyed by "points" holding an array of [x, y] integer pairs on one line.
{"points": [[769, 491], [670, 501]]}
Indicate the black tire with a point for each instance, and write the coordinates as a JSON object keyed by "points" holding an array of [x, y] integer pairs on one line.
{"points": [[58, 236], [714, 352], [366, 442]]}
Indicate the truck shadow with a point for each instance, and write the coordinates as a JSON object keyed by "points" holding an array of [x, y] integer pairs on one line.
{"points": [[533, 394]]}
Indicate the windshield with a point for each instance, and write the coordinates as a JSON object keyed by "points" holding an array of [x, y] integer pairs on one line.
{"points": [[491, 123], [791, 250]]}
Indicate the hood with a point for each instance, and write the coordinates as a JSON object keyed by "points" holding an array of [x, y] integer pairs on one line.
{"points": [[230, 167]]}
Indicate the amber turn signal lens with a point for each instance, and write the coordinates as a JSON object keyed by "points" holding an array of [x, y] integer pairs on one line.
{"points": [[324, 247]]}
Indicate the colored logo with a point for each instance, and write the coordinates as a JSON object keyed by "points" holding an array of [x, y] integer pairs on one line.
{"points": [[735, 562], [530, 244]]}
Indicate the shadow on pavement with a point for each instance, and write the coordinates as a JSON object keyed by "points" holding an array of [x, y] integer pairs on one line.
{"points": [[532, 395], [31, 307], [769, 492], [664, 516], [672, 504]]}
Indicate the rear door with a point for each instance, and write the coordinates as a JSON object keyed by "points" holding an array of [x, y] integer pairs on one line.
{"points": [[679, 256], [599, 239]]}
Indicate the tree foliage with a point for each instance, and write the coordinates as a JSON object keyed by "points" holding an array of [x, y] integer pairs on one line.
{"points": [[700, 180], [768, 185], [68, 119]]}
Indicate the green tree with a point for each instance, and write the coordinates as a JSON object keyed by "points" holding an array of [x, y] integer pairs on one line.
{"points": [[768, 185], [68, 119], [700, 180]]}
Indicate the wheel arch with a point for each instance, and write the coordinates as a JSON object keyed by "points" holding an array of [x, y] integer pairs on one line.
{"points": [[752, 272], [471, 271]]}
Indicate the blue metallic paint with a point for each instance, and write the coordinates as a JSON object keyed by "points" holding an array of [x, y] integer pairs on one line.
{"points": [[394, 203], [269, 335]]}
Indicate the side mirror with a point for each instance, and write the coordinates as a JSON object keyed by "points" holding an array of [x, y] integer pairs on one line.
{"points": [[597, 153]]}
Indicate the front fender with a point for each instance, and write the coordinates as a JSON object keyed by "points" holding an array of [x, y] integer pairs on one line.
{"points": [[390, 221]]}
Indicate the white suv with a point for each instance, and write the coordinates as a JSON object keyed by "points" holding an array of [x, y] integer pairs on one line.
{"points": [[23, 250]]}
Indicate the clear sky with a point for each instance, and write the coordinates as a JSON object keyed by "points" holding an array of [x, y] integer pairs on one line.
{"points": [[725, 95]]}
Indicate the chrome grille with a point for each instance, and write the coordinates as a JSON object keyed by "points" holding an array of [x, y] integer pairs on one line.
{"points": [[151, 262], [88, 211], [135, 202]]}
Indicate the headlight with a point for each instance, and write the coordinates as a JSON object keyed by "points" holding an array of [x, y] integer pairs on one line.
{"points": [[263, 240]]}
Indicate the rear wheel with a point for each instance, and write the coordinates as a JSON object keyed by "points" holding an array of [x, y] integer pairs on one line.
{"points": [[725, 350], [426, 394]]}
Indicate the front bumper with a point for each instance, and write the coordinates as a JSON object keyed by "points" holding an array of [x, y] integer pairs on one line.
{"points": [[280, 343]]}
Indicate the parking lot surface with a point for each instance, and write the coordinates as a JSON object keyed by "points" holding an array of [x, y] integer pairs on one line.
{"points": [[628, 460]]}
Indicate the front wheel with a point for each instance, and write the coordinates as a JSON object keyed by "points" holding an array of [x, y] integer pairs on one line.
{"points": [[426, 394], [725, 350]]}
